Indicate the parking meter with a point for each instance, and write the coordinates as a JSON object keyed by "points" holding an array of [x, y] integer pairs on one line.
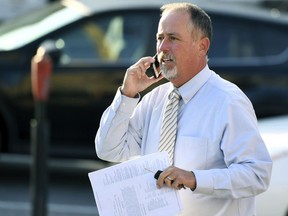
{"points": [[41, 70]]}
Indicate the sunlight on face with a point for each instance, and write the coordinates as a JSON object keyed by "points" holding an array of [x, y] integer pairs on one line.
{"points": [[175, 46]]}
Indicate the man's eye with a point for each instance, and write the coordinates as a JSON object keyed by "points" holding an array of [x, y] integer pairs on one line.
{"points": [[159, 38]]}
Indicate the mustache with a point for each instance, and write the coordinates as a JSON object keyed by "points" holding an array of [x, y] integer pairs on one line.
{"points": [[165, 56]]}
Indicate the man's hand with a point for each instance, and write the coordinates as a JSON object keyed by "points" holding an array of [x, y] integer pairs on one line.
{"points": [[136, 79], [177, 178]]}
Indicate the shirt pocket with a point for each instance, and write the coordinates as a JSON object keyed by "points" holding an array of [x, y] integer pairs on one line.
{"points": [[191, 152]]}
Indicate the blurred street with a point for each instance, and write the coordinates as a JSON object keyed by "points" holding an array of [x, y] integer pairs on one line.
{"points": [[70, 192]]}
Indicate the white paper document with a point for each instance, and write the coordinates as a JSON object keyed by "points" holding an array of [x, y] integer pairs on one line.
{"points": [[128, 189]]}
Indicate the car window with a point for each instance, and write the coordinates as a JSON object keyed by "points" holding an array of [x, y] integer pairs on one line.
{"points": [[240, 38], [109, 37]]}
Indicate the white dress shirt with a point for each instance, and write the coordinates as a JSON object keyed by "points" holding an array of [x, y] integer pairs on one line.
{"points": [[217, 139]]}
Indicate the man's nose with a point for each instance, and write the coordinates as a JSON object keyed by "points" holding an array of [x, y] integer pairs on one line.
{"points": [[164, 45]]}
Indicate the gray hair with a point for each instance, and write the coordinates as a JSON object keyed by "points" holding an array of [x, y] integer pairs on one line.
{"points": [[200, 20]]}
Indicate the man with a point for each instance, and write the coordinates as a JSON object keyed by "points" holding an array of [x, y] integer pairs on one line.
{"points": [[218, 153]]}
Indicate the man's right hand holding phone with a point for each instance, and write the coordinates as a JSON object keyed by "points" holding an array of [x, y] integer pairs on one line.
{"points": [[136, 80]]}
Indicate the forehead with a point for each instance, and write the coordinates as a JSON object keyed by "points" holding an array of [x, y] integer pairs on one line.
{"points": [[174, 22]]}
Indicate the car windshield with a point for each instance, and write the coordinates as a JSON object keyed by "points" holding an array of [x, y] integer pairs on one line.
{"points": [[15, 33]]}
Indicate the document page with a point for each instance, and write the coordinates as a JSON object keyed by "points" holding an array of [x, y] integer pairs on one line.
{"points": [[129, 189]]}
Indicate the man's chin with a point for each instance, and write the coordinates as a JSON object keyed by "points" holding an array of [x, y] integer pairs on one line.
{"points": [[170, 74]]}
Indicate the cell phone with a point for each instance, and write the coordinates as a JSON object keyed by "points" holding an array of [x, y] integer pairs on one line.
{"points": [[156, 67]]}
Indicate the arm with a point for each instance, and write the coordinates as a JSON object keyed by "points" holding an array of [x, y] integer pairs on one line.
{"points": [[248, 163], [117, 139], [113, 132]]}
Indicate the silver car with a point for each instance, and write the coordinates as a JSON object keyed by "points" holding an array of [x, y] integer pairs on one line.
{"points": [[275, 200]]}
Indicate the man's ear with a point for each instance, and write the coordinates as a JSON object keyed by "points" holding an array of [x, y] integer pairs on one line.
{"points": [[204, 45]]}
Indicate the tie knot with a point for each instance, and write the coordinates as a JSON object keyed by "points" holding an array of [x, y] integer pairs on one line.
{"points": [[175, 94]]}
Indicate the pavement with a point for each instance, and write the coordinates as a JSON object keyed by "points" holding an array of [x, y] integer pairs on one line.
{"points": [[69, 188]]}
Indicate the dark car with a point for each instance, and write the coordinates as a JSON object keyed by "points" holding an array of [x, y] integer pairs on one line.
{"points": [[92, 43]]}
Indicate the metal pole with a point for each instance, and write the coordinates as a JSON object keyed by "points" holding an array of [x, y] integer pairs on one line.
{"points": [[41, 70], [39, 168]]}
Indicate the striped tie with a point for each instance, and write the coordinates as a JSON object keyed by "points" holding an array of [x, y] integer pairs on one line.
{"points": [[169, 124]]}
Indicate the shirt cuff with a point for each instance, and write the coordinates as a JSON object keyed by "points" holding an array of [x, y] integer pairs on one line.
{"points": [[204, 181], [124, 104]]}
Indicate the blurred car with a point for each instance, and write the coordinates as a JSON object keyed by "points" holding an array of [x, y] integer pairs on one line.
{"points": [[274, 201], [92, 43]]}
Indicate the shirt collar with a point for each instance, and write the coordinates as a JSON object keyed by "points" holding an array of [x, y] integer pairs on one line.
{"points": [[189, 89]]}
